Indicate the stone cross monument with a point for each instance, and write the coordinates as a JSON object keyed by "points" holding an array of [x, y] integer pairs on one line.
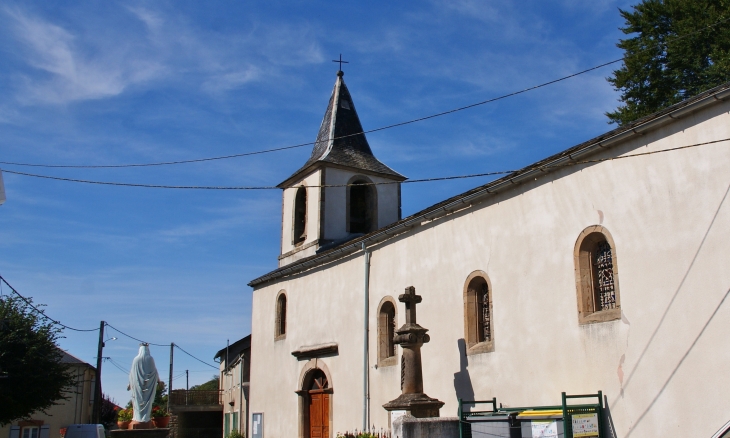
{"points": [[411, 337]]}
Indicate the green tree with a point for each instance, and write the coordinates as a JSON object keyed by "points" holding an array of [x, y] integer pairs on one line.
{"points": [[210, 385], [681, 48], [33, 377]]}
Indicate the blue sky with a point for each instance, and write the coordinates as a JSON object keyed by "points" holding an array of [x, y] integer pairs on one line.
{"points": [[126, 82]]}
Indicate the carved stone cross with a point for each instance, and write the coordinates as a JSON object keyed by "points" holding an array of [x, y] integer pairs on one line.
{"points": [[410, 299]]}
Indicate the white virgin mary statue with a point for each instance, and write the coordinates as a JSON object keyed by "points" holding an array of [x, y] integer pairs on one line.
{"points": [[143, 383]]}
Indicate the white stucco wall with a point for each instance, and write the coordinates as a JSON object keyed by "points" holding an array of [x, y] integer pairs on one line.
{"points": [[312, 182], [663, 366]]}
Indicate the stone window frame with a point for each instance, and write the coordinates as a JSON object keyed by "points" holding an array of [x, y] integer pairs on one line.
{"points": [[384, 361], [296, 240], [279, 325], [585, 289], [374, 193], [470, 317]]}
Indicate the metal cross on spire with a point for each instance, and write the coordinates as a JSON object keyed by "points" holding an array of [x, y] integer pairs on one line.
{"points": [[340, 61]]}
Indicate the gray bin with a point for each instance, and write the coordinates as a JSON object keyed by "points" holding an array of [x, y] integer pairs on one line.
{"points": [[492, 426]]}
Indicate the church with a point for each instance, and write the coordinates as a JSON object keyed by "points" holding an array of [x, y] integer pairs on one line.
{"points": [[600, 268]]}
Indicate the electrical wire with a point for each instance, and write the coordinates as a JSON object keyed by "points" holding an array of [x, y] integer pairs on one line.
{"points": [[382, 128], [29, 303], [444, 178], [136, 339], [116, 365], [199, 360]]}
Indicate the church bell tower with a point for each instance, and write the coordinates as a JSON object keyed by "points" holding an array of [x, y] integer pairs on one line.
{"points": [[342, 191]]}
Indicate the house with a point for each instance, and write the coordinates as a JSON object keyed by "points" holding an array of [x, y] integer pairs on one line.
{"points": [[603, 267], [235, 369], [75, 409]]}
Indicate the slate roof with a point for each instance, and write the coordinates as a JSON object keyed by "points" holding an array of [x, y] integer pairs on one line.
{"points": [[341, 140], [235, 348], [72, 360]]}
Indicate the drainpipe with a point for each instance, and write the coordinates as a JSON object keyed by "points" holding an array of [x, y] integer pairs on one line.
{"points": [[366, 354], [240, 393]]}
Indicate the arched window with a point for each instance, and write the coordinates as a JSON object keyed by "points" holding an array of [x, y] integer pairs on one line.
{"points": [[386, 332], [478, 319], [361, 206], [300, 216], [281, 315], [596, 276]]}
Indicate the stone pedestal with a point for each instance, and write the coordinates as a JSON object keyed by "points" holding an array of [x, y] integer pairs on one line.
{"points": [[409, 427], [411, 336], [138, 425], [141, 433]]}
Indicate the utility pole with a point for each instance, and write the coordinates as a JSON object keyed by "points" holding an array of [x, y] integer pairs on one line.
{"points": [[187, 381], [169, 385], [97, 387]]}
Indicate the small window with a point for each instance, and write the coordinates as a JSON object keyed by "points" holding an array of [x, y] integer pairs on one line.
{"points": [[281, 315], [31, 431], [596, 276], [300, 216], [362, 209], [386, 332], [478, 319]]}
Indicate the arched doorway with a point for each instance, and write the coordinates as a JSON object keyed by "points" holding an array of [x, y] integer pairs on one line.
{"points": [[319, 406], [315, 398]]}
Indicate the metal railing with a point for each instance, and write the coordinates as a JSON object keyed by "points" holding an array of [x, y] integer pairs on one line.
{"points": [[182, 397]]}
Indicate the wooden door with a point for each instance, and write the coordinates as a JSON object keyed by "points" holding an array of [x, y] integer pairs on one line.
{"points": [[319, 422]]}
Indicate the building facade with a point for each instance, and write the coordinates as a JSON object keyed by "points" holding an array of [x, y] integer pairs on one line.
{"points": [[235, 369], [76, 409], [602, 267]]}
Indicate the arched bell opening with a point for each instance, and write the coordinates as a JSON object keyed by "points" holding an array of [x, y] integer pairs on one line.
{"points": [[300, 216], [362, 205]]}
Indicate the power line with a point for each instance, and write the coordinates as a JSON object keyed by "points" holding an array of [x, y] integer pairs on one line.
{"points": [[136, 339], [29, 303], [382, 128], [116, 365], [199, 360], [444, 178]]}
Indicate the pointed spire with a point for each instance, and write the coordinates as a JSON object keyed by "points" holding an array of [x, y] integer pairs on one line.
{"points": [[341, 140]]}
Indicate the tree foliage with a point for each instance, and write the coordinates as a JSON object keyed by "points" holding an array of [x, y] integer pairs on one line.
{"points": [[33, 377], [108, 411], [210, 385], [681, 48]]}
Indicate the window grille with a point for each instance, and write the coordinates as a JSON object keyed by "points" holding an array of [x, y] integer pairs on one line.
{"points": [[605, 292], [486, 320]]}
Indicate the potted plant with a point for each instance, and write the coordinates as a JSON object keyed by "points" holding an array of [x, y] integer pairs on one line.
{"points": [[160, 416], [124, 417]]}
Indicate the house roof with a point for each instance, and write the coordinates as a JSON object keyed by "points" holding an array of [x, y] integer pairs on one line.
{"points": [[70, 359], [469, 198], [234, 349], [341, 139]]}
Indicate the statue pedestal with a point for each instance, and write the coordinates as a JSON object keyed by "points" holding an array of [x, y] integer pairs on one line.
{"points": [[141, 433], [138, 425]]}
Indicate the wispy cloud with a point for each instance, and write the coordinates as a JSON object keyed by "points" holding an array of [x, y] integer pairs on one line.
{"points": [[71, 73], [100, 63]]}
